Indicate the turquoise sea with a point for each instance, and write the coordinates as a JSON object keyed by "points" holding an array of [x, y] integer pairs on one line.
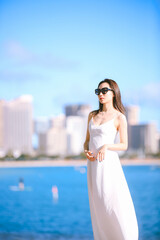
{"points": [[35, 213]]}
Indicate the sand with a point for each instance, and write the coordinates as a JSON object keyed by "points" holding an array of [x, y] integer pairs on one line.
{"points": [[62, 162]]}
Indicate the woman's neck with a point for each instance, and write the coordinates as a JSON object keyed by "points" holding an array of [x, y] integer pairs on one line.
{"points": [[107, 107]]}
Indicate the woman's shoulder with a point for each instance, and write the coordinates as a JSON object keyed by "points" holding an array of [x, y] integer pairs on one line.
{"points": [[92, 114], [120, 120], [121, 117]]}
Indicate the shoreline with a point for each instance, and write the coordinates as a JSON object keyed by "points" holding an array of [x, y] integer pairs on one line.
{"points": [[69, 163]]}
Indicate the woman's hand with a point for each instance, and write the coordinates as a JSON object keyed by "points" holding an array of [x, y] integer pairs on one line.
{"points": [[89, 155], [101, 153]]}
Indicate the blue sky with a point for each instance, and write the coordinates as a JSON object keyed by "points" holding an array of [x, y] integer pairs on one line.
{"points": [[59, 51]]}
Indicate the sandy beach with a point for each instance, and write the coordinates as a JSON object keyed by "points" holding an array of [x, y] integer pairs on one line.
{"points": [[65, 163]]}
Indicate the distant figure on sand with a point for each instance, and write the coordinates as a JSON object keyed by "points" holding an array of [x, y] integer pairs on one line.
{"points": [[111, 206], [21, 184]]}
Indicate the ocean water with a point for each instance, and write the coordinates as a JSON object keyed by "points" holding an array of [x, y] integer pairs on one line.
{"points": [[36, 213]]}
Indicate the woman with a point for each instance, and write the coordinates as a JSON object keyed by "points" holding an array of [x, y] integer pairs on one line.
{"points": [[112, 210]]}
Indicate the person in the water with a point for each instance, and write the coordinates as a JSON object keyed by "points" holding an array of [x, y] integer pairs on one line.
{"points": [[21, 184]]}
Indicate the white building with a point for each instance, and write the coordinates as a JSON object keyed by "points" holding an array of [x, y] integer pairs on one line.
{"points": [[18, 125], [53, 142], [132, 114], [52, 136], [76, 132], [58, 121], [41, 125]]}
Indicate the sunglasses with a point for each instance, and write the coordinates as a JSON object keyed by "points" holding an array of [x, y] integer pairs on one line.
{"points": [[103, 90]]}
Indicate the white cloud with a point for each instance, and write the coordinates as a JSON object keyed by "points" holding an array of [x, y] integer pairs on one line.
{"points": [[22, 55], [18, 52]]}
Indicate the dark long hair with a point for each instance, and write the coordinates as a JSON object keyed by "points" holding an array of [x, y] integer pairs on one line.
{"points": [[117, 102]]}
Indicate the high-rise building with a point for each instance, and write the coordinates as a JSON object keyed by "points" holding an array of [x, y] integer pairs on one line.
{"points": [[152, 138], [2, 103], [53, 142], [41, 125], [77, 110], [58, 121], [76, 125], [18, 125], [76, 132], [143, 138], [136, 140], [132, 114]]}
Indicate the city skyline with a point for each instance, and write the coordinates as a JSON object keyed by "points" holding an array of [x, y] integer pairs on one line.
{"points": [[59, 51], [77, 104], [65, 134]]}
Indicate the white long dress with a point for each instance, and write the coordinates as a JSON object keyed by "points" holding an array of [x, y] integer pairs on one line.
{"points": [[111, 207]]}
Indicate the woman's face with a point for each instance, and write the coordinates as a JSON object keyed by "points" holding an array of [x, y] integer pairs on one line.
{"points": [[107, 97]]}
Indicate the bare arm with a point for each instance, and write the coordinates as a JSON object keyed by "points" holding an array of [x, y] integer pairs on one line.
{"points": [[86, 143], [121, 124], [88, 153]]}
